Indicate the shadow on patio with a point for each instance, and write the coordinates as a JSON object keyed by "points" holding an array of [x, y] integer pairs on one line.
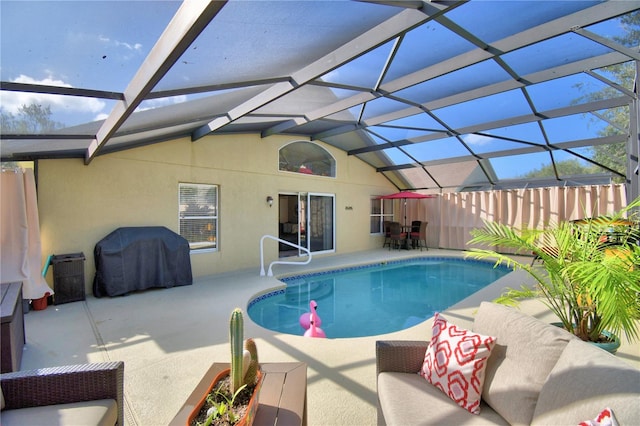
{"points": [[169, 337]]}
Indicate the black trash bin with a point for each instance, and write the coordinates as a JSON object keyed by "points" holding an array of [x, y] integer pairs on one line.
{"points": [[68, 278]]}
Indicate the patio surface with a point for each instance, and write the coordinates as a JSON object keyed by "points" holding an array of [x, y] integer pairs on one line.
{"points": [[168, 338]]}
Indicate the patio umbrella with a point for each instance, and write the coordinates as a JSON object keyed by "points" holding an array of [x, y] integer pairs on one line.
{"points": [[405, 195]]}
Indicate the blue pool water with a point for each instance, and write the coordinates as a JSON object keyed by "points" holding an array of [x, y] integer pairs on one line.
{"points": [[373, 299]]}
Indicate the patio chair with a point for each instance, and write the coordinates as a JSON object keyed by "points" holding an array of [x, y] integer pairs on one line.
{"points": [[397, 237], [74, 394], [387, 233], [419, 239], [415, 228]]}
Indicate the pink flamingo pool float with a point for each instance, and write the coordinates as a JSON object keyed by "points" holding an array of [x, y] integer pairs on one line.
{"points": [[311, 321]]}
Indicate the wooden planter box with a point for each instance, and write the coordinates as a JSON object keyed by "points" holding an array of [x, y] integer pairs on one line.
{"points": [[283, 397]]}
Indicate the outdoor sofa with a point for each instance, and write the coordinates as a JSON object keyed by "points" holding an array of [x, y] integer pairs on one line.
{"points": [[85, 394], [535, 374]]}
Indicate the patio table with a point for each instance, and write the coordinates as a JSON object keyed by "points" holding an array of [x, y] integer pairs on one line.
{"points": [[283, 397]]}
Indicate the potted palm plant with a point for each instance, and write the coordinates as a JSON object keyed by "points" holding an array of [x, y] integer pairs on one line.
{"points": [[587, 272]]}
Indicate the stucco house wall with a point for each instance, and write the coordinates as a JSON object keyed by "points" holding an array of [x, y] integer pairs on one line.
{"points": [[80, 204]]}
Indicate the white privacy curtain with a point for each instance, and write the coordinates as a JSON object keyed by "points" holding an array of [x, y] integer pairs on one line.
{"points": [[461, 212], [20, 247]]}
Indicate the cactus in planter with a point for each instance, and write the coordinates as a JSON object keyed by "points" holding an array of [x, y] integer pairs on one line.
{"points": [[244, 364], [251, 374], [233, 396], [236, 325]]}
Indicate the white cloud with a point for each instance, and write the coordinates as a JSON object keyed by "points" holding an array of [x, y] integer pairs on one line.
{"points": [[136, 46], [159, 103], [477, 140], [12, 101], [116, 43], [49, 81]]}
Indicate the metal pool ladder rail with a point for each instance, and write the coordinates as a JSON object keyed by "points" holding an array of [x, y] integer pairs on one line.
{"points": [[281, 262]]}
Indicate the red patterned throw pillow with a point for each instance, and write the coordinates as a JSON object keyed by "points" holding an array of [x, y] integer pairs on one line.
{"points": [[604, 418], [455, 362]]}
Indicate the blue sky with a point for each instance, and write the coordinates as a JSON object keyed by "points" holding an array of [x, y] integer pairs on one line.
{"points": [[84, 44], [101, 44]]}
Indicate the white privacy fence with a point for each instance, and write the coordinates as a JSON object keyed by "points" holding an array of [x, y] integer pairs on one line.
{"points": [[452, 216]]}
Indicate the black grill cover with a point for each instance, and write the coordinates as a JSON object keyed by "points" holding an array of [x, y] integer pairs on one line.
{"points": [[138, 258]]}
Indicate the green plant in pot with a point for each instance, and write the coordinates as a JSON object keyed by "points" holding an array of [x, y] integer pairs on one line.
{"points": [[587, 272], [232, 398]]}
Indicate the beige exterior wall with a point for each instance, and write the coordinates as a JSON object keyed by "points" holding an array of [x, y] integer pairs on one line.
{"points": [[79, 204]]}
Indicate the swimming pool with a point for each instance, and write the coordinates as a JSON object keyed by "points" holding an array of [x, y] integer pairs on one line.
{"points": [[373, 299]]}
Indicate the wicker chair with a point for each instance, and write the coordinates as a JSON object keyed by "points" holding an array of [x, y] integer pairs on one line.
{"points": [[400, 356], [64, 385], [387, 233], [419, 238], [398, 238]]}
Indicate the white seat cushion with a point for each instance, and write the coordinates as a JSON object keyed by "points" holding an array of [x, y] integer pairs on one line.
{"points": [[585, 380], [102, 412], [526, 351], [408, 399]]}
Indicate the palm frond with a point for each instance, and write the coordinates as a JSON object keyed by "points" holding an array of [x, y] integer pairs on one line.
{"points": [[587, 282]]}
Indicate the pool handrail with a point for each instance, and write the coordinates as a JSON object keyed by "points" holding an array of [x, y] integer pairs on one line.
{"points": [[280, 262]]}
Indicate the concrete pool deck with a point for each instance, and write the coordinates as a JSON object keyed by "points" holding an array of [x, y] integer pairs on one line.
{"points": [[168, 338]]}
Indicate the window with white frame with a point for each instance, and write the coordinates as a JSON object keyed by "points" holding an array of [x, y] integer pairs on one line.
{"points": [[381, 210], [198, 212]]}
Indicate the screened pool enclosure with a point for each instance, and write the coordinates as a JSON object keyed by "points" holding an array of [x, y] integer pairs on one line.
{"points": [[438, 96]]}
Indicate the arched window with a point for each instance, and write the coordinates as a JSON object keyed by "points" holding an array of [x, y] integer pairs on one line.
{"points": [[307, 158]]}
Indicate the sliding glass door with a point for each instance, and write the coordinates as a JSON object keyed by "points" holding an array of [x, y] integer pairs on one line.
{"points": [[308, 220], [320, 226]]}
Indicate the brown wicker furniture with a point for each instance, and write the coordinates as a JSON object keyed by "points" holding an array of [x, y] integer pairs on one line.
{"points": [[397, 237], [537, 374], [54, 386], [419, 237], [386, 225]]}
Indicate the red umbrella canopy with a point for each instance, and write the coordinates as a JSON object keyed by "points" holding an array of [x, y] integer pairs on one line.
{"points": [[405, 194]]}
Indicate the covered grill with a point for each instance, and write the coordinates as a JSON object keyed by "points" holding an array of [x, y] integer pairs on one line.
{"points": [[137, 258]]}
